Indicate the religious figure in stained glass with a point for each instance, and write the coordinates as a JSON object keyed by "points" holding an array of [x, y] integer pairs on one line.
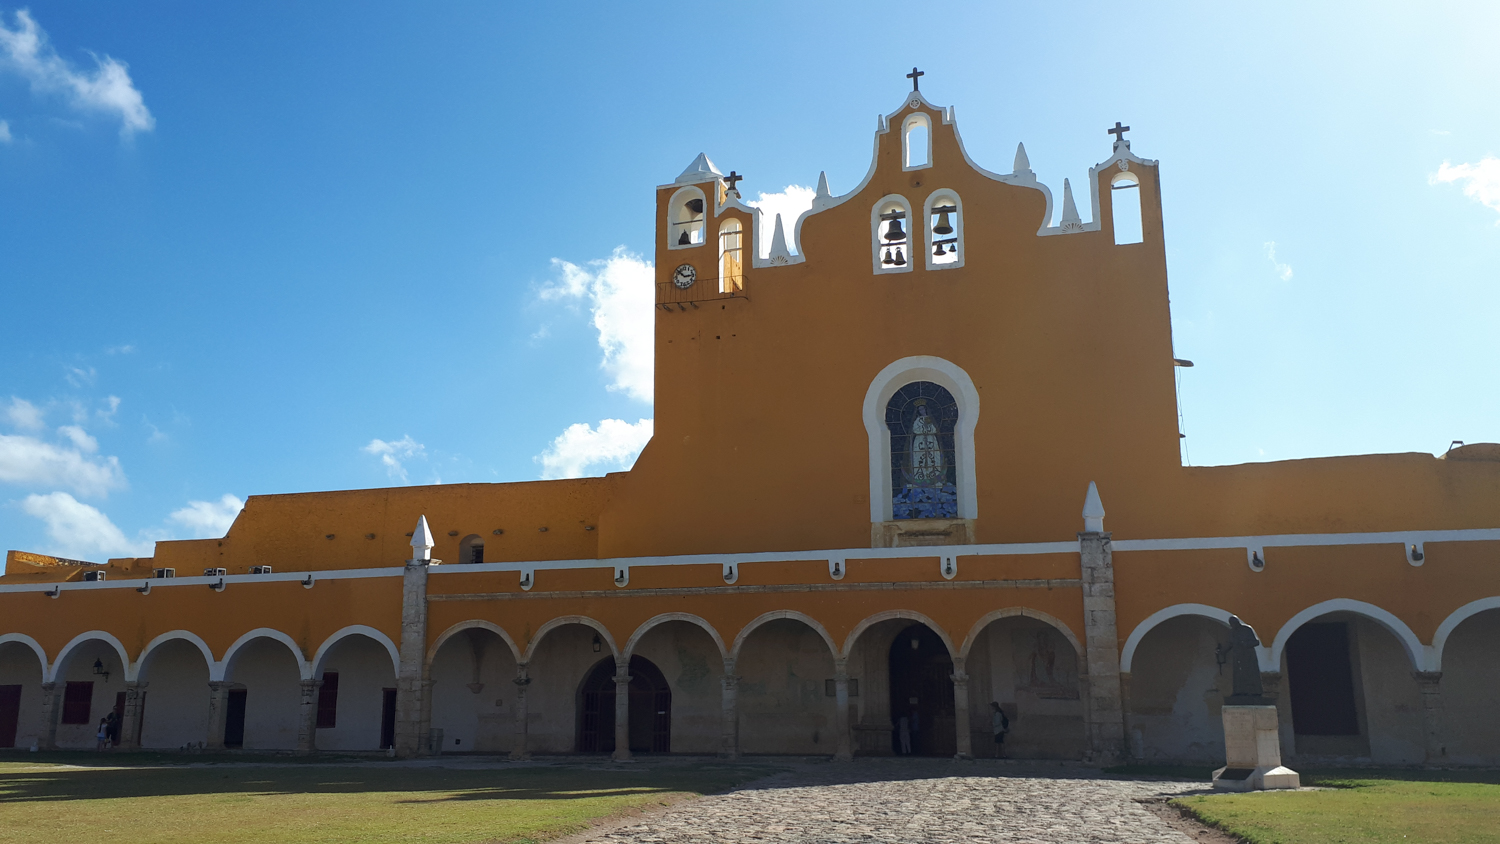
{"points": [[921, 417]]}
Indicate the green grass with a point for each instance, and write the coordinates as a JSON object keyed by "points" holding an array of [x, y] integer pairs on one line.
{"points": [[1361, 807], [70, 797]]}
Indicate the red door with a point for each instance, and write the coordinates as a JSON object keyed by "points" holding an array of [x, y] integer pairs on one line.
{"points": [[10, 714]]}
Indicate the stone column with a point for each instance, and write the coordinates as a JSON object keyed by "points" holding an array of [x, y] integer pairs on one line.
{"points": [[961, 726], [1432, 714], [521, 748], [130, 728], [622, 709], [218, 713], [1104, 712], [307, 726], [729, 745], [409, 680], [841, 749], [51, 711]]}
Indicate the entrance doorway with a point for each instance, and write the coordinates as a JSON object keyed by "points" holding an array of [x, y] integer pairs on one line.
{"points": [[650, 709], [922, 692], [387, 719], [234, 719], [10, 714]]}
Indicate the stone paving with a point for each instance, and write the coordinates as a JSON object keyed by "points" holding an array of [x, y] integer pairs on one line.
{"points": [[938, 802]]}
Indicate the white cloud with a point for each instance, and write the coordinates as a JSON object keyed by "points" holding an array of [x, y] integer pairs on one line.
{"points": [[790, 204], [81, 531], [1481, 182], [209, 519], [24, 415], [583, 449], [621, 292], [30, 461], [119, 350], [1283, 271], [5, 135], [107, 88], [394, 454], [79, 377]]}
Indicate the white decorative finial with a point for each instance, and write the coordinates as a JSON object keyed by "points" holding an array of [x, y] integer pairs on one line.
{"points": [[1093, 511], [700, 170], [823, 192], [421, 540], [1023, 164], [779, 253], [1071, 222]]}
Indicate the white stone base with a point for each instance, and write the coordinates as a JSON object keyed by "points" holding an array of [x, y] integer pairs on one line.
{"points": [[1252, 748]]}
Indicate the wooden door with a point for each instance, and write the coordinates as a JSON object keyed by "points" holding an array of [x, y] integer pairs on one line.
{"points": [[10, 714]]}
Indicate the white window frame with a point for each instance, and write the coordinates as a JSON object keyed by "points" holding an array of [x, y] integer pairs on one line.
{"points": [[957, 382]]}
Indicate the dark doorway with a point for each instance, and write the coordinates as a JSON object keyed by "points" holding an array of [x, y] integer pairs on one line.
{"points": [[388, 719], [10, 714], [234, 719], [118, 727], [1321, 681], [922, 692], [650, 709]]}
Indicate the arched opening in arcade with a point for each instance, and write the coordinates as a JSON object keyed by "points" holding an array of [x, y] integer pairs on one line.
{"points": [[356, 696], [174, 710], [692, 661], [902, 671], [474, 695], [559, 660], [650, 708], [1470, 690], [1179, 675], [785, 699], [1031, 670], [263, 702], [21, 673]]}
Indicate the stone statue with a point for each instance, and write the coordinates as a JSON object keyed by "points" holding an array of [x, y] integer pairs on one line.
{"points": [[1247, 690]]}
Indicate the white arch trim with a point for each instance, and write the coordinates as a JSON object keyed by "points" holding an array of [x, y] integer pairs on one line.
{"points": [[215, 669], [895, 376], [564, 620], [764, 618], [473, 624], [1024, 612], [1127, 655], [909, 615], [67, 651], [36, 648], [1457, 617], [357, 630], [1422, 656], [665, 617], [304, 667]]}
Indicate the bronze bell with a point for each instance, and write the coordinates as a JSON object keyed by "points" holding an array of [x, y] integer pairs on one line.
{"points": [[888, 259], [684, 240], [944, 225], [938, 250], [900, 259], [895, 232], [695, 206]]}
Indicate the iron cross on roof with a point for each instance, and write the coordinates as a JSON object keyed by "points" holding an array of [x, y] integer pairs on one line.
{"points": [[734, 180], [914, 77], [1119, 131]]}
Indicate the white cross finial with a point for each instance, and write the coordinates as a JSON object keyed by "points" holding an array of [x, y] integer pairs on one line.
{"points": [[421, 540], [1093, 511]]}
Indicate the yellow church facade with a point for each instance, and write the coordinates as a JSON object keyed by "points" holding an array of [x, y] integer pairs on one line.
{"points": [[916, 459]]}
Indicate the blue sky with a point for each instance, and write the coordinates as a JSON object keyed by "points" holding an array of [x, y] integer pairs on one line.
{"points": [[298, 247]]}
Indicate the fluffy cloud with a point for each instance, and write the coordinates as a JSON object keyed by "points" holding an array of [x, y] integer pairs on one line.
{"points": [[5, 135], [32, 462], [208, 519], [81, 531], [106, 88], [394, 454], [1481, 182], [621, 293], [1283, 271], [790, 204], [583, 449], [24, 415]]}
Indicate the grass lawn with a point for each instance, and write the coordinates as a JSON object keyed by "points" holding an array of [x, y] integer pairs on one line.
{"points": [[1363, 806], [59, 797]]}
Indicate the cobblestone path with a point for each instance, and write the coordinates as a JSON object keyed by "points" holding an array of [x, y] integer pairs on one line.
{"points": [[875, 803]]}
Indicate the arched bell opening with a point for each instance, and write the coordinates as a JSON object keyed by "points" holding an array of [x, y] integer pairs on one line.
{"points": [[474, 693], [891, 235], [650, 708], [264, 699], [21, 672], [1125, 208], [1031, 670]]}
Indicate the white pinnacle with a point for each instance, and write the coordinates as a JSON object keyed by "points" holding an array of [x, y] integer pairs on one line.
{"points": [[1070, 211], [823, 191], [1023, 164], [421, 540], [1093, 511], [700, 170], [778, 242]]}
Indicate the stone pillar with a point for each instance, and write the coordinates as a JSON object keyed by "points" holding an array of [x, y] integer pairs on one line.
{"points": [[622, 709], [307, 726], [51, 711], [409, 680], [729, 745], [841, 749], [961, 726], [1432, 714], [218, 713], [1104, 712], [521, 748], [130, 728]]}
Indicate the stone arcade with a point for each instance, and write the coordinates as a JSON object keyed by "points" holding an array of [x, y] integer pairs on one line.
{"points": [[874, 435]]}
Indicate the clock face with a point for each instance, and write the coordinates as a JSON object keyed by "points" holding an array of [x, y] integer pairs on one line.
{"points": [[684, 276]]}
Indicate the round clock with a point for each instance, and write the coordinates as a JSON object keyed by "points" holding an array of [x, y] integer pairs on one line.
{"points": [[684, 276]]}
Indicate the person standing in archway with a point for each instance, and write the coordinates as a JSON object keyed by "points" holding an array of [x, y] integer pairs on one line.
{"points": [[1000, 725]]}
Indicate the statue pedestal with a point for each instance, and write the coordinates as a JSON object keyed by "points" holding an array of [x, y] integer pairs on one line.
{"points": [[1252, 750]]}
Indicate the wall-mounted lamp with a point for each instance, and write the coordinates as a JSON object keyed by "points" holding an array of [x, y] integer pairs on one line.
{"points": [[597, 644], [99, 669], [916, 644]]}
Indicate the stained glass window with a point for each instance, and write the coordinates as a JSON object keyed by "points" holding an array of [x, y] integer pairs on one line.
{"points": [[921, 417]]}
